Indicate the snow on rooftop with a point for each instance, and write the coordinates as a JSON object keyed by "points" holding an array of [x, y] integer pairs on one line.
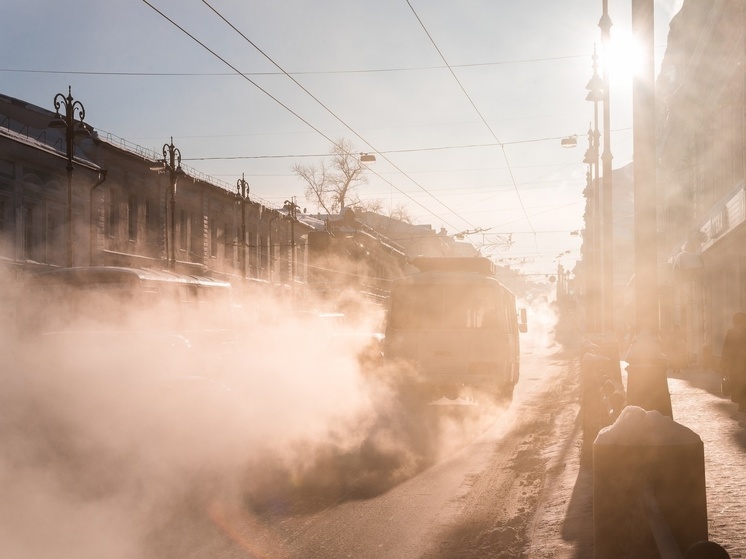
{"points": [[636, 426]]}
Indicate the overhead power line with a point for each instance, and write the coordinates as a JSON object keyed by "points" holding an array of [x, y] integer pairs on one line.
{"points": [[340, 120], [333, 142], [298, 73], [382, 152], [481, 116]]}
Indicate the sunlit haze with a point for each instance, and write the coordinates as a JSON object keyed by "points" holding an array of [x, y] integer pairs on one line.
{"points": [[464, 104], [113, 424]]}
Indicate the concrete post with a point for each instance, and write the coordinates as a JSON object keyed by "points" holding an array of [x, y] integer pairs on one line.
{"points": [[647, 383], [592, 368], [646, 453]]}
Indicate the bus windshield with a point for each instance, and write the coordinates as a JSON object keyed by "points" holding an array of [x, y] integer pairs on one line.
{"points": [[446, 306]]}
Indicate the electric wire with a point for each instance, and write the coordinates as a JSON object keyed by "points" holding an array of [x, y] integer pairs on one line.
{"points": [[299, 73], [341, 121], [409, 150], [223, 60], [333, 142], [481, 116]]}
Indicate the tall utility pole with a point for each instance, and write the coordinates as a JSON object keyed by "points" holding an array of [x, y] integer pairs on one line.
{"points": [[643, 114], [242, 191], [606, 196], [647, 384], [595, 89], [172, 164], [67, 121], [292, 208]]}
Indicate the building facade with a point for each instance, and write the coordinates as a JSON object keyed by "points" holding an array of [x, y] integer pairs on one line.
{"points": [[121, 210], [129, 206], [702, 159]]}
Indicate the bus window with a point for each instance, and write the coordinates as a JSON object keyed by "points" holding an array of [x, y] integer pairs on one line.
{"points": [[417, 307], [455, 323]]}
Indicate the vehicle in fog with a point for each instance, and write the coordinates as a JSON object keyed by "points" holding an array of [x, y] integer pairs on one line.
{"points": [[453, 326], [124, 309]]}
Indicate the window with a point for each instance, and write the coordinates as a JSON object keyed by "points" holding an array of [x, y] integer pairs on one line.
{"points": [[182, 230], [150, 225], [113, 214], [213, 238], [7, 169], [28, 232], [198, 240], [53, 239], [132, 217]]}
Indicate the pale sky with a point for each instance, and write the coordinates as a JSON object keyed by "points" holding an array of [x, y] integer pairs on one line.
{"points": [[473, 146]]}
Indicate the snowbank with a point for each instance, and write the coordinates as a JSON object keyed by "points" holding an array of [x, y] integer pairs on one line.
{"points": [[638, 427]]}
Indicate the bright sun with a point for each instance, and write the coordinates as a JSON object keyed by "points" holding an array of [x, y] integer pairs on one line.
{"points": [[624, 56]]}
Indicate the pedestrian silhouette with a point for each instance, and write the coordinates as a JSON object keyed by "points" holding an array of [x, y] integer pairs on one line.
{"points": [[733, 360], [674, 349]]}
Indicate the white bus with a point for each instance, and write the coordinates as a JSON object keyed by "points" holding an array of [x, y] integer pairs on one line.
{"points": [[453, 327]]}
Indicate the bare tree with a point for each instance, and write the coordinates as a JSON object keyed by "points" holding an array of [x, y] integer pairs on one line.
{"points": [[333, 185], [400, 213]]}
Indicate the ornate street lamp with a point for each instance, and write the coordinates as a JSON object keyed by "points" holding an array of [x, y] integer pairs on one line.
{"points": [[242, 192], [271, 256], [595, 95], [607, 196], [72, 130], [171, 162], [292, 208]]}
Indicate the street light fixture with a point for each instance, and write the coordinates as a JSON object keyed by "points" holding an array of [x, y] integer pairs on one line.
{"points": [[72, 130], [242, 191], [367, 158], [171, 162], [271, 255], [599, 251], [292, 208], [607, 196]]}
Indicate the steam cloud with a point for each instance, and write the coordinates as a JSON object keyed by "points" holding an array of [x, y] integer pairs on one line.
{"points": [[111, 440]]}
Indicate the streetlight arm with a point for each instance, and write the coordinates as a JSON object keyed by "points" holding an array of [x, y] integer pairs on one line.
{"points": [[70, 106], [172, 156]]}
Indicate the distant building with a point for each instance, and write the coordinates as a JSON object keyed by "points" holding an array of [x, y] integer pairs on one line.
{"points": [[122, 215], [121, 212], [702, 206]]}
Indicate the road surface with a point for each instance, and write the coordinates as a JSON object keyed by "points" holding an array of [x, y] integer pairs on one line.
{"points": [[88, 475], [479, 501]]}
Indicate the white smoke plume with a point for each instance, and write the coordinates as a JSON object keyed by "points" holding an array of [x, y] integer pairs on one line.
{"points": [[114, 439]]}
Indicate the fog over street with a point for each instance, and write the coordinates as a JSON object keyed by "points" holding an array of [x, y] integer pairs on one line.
{"points": [[479, 501], [142, 463]]}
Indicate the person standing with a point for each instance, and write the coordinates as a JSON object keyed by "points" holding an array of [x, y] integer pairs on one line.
{"points": [[733, 359]]}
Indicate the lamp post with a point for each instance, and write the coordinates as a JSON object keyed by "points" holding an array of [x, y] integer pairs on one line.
{"points": [[67, 121], [647, 384], [242, 191], [292, 208], [271, 246], [609, 341], [596, 89], [643, 137], [172, 164]]}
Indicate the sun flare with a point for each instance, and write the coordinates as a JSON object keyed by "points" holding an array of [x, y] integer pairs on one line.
{"points": [[624, 57]]}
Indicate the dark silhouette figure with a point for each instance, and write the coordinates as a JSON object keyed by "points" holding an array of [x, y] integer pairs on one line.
{"points": [[733, 359], [675, 349]]}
